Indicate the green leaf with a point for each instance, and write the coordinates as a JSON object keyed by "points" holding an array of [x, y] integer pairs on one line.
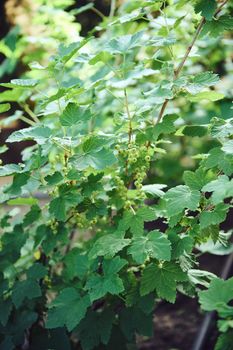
{"points": [[222, 188], [28, 289], [216, 27], [135, 221], [68, 197], [21, 83], [74, 114], [162, 278], [205, 79], [57, 207], [94, 154], [60, 314], [10, 169], [162, 41], [54, 179], [153, 245], [160, 94], [213, 217], [134, 321], [97, 160], [180, 198], [193, 130], [23, 201], [217, 158], [77, 265], [220, 292], [206, 95], [11, 96], [98, 286], [95, 328], [102, 56], [66, 52], [5, 311], [221, 128], [3, 149], [166, 126], [19, 181], [207, 8], [224, 341], [40, 134], [124, 43], [108, 246], [36, 271], [32, 215], [4, 107], [154, 190], [196, 180], [210, 232], [180, 244], [228, 147]]}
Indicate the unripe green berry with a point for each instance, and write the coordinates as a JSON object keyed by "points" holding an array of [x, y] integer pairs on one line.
{"points": [[147, 158]]}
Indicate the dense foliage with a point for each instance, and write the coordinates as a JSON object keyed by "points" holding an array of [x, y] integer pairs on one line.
{"points": [[116, 125]]}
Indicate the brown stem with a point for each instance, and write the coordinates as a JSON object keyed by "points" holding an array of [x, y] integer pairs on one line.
{"points": [[181, 65], [71, 237]]}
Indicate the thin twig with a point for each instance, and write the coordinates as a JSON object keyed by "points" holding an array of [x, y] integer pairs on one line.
{"points": [[128, 114], [112, 8], [30, 112], [181, 65], [27, 120], [98, 12]]}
